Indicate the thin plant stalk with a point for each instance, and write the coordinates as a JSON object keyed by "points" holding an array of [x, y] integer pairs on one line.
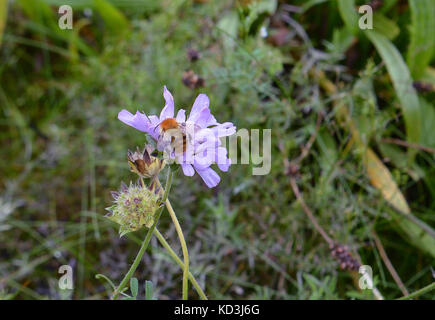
{"points": [[145, 243], [183, 247], [174, 256], [419, 292]]}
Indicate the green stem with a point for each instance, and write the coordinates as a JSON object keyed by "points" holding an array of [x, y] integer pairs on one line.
{"points": [[102, 276], [182, 243], [419, 292], [183, 247], [174, 256], [145, 243]]}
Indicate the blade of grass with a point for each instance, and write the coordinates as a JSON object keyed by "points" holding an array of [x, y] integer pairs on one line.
{"points": [[419, 292], [402, 82], [3, 17], [421, 47], [381, 178], [92, 182], [114, 19], [385, 26], [349, 14]]}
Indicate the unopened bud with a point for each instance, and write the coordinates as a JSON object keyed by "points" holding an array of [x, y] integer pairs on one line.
{"points": [[143, 163]]}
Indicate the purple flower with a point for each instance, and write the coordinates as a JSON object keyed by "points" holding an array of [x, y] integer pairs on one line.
{"points": [[194, 142]]}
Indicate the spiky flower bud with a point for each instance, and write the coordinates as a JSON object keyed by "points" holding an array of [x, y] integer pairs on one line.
{"points": [[134, 207], [143, 163]]}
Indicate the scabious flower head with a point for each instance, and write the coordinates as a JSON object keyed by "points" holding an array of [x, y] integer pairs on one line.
{"points": [[195, 140], [144, 163], [134, 206]]}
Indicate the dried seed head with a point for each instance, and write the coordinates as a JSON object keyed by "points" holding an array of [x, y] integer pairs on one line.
{"points": [[193, 55], [344, 257], [192, 80], [134, 207], [143, 163]]}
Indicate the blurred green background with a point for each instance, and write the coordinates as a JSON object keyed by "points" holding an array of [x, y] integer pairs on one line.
{"points": [[357, 104]]}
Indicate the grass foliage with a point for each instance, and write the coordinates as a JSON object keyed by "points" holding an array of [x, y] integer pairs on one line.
{"points": [[315, 75]]}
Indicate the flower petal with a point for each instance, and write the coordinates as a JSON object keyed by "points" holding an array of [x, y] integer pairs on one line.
{"points": [[181, 116], [154, 126], [138, 121], [200, 103], [188, 169], [205, 146], [210, 177], [168, 110], [204, 160], [203, 118], [211, 121], [224, 129], [221, 159]]}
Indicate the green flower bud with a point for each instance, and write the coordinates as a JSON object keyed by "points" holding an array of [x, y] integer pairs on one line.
{"points": [[134, 207]]}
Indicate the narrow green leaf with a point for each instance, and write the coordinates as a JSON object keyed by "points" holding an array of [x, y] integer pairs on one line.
{"points": [[114, 19], [349, 14], [229, 25], [387, 5], [402, 82], [381, 179], [342, 39], [138, 6], [311, 3], [417, 293], [385, 26], [37, 11], [428, 124], [416, 235], [422, 43], [148, 290], [134, 287], [102, 276], [429, 75], [3, 17]]}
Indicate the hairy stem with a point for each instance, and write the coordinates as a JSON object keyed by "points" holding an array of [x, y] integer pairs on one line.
{"points": [[183, 247], [174, 256], [182, 243]]}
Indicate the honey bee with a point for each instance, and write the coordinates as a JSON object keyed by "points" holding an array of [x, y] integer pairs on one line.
{"points": [[174, 136]]}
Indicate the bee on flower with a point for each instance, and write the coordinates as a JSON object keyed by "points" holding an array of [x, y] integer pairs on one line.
{"points": [[193, 142]]}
